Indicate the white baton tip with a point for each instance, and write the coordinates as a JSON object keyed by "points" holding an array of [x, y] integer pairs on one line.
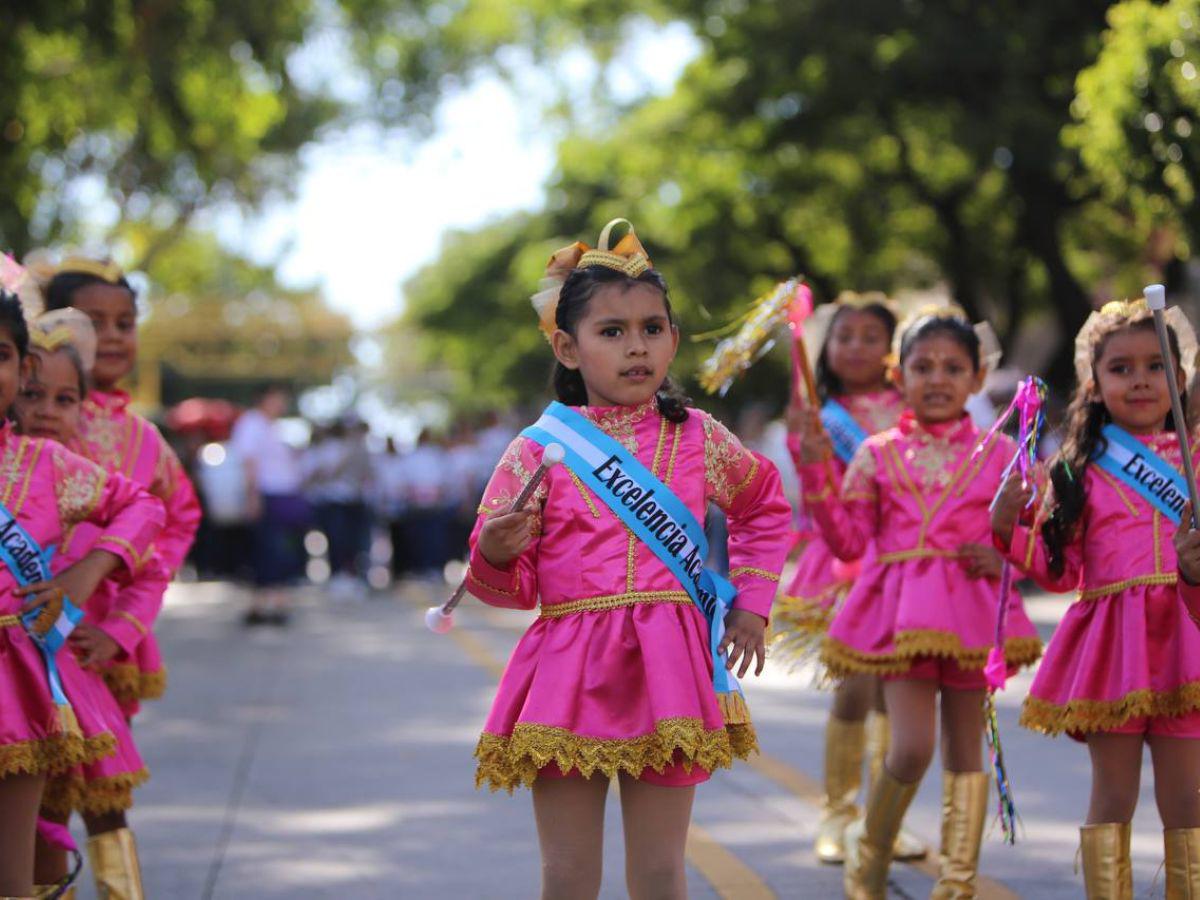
{"points": [[553, 455], [1156, 296], [437, 621]]}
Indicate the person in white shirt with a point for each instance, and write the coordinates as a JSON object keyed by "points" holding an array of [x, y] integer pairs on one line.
{"points": [[276, 506]]}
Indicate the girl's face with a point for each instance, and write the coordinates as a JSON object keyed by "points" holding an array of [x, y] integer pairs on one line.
{"points": [[937, 377], [114, 317], [1131, 379], [622, 346], [49, 404], [12, 371], [857, 350]]}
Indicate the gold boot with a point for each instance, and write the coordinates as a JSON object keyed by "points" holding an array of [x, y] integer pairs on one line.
{"points": [[843, 778], [908, 847], [1182, 847], [1107, 870], [964, 808], [45, 890], [114, 859], [869, 840]]}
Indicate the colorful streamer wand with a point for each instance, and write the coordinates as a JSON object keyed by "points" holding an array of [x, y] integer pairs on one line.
{"points": [[1027, 408], [59, 836]]}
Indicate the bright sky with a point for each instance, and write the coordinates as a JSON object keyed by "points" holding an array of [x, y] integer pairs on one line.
{"points": [[369, 213]]}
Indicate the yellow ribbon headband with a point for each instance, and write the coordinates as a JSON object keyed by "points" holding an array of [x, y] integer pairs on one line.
{"points": [[105, 270]]}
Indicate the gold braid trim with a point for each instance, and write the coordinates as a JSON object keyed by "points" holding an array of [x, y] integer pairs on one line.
{"points": [[152, 685], [1117, 587], [506, 763], [95, 797], [55, 753], [842, 660], [1105, 715], [753, 570], [612, 601], [123, 681]]}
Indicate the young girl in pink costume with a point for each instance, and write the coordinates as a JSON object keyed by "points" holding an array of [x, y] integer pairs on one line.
{"points": [[922, 612], [63, 347], [615, 677], [854, 334], [1123, 667], [50, 491], [121, 441]]}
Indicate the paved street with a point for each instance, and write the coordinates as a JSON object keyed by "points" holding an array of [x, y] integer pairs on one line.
{"points": [[333, 759]]}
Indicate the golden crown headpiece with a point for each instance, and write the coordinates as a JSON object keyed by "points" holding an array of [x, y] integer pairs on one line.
{"points": [[1112, 313], [104, 269], [51, 331], [628, 257]]}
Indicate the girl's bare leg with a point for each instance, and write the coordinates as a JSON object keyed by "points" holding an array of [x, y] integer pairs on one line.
{"points": [[1116, 774], [962, 731], [20, 796], [656, 820], [912, 713], [853, 697], [570, 823], [1176, 780]]}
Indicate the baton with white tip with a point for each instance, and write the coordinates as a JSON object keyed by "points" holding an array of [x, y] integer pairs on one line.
{"points": [[1156, 299], [440, 619]]}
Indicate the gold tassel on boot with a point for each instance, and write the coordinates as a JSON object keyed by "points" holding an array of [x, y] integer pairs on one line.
{"points": [[1107, 870], [908, 847], [843, 778], [869, 840], [1182, 847], [114, 859], [964, 809]]}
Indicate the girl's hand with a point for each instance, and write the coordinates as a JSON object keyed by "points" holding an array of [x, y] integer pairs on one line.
{"points": [[503, 538], [1014, 497], [1187, 548], [981, 561], [92, 646], [744, 638], [815, 446], [79, 581]]}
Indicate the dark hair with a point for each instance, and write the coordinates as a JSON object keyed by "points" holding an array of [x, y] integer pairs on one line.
{"points": [[578, 289], [956, 328], [60, 292], [1086, 416], [12, 320], [828, 383], [76, 361]]}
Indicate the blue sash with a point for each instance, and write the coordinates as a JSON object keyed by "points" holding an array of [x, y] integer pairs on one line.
{"points": [[24, 557], [1154, 479], [660, 519], [845, 433]]}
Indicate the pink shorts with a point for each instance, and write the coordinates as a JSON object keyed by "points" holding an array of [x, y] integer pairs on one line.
{"points": [[674, 775], [1185, 726], [945, 671]]}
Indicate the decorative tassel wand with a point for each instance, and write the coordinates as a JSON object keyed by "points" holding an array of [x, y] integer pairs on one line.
{"points": [[1027, 407], [440, 619]]}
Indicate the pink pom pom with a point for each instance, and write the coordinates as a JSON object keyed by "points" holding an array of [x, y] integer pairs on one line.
{"points": [[996, 670], [56, 834], [802, 305]]}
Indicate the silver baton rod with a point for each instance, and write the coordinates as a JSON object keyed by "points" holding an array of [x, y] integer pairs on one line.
{"points": [[440, 619], [1156, 299]]}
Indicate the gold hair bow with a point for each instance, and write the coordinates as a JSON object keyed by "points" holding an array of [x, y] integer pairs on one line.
{"points": [[628, 257]]}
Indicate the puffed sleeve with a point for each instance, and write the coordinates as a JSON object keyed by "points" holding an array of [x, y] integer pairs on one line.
{"points": [[129, 516], [747, 488], [136, 606], [515, 585], [172, 486], [848, 518]]}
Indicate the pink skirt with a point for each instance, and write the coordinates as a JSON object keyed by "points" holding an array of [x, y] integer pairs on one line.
{"points": [[1128, 656], [626, 690]]}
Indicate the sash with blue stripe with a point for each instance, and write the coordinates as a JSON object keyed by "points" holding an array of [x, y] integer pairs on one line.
{"points": [[24, 557], [1154, 479], [845, 433], [660, 519]]}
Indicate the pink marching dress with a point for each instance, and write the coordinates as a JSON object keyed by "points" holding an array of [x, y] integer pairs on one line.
{"points": [[919, 493], [124, 442], [615, 675], [51, 490], [1126, 655], [804, 610]]}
